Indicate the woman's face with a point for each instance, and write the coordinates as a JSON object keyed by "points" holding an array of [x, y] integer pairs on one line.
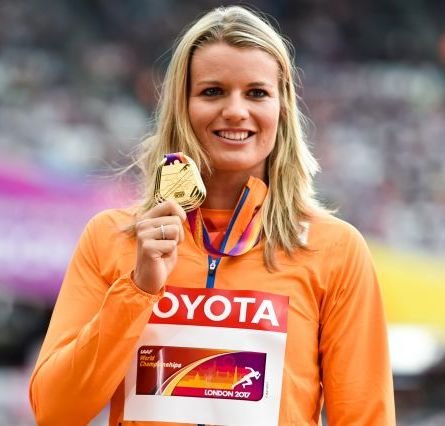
{"points": [[234, 106]]}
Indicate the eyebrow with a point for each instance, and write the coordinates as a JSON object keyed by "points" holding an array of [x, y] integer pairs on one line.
{"points": [[259, 84], [219, 83]]}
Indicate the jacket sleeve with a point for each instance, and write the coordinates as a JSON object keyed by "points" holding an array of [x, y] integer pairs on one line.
{"points": [[90, 340], [355, 366]]}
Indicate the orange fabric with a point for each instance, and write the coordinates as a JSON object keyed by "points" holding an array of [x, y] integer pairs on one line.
{"points": [[336, 343], [216, 222]]}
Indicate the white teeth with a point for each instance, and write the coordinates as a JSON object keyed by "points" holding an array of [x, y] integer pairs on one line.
{"points": [[235, 136]]}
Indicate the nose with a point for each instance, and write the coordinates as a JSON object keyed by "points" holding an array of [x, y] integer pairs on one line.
{"points": [[235, 108]]}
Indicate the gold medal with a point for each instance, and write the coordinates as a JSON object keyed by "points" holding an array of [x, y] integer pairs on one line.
{"points": [[178, 179]]}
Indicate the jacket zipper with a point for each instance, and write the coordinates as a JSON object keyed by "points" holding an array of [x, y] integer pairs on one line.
{"points": [[213, 264]]}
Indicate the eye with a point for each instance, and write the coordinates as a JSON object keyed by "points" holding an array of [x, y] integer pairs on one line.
{"points": [[257, 93], [212, 91]]}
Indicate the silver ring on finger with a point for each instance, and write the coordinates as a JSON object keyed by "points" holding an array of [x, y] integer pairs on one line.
{"points": [[162, 228]]}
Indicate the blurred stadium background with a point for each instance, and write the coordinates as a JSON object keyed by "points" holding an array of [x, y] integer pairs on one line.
{"points": [[78, 82]]}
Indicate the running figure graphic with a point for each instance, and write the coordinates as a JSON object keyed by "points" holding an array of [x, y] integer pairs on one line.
{"points": [[246, 380]]}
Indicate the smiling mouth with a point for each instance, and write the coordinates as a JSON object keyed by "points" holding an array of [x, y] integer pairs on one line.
{"points": [[230, 135]]}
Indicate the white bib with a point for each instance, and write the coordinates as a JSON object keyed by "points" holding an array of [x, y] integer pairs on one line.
{"points": [[210, 356]]}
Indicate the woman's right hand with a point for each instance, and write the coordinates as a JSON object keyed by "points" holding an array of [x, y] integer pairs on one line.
{"points": [[158, 233]]}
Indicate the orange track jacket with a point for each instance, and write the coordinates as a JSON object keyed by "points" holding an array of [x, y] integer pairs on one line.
{"points": [[336, 346]]}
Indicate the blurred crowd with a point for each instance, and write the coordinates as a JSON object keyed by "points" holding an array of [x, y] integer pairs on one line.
{"points": [[379, 132], [78, 84]]}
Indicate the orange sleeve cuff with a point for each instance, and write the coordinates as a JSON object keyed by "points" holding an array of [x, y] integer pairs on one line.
{"points": [[153, 298]]}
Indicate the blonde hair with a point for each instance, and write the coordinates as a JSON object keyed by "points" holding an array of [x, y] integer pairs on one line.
{"points": [[291, 166]]}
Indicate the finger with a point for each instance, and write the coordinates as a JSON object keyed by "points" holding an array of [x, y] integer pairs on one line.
{"points": [[163, 232], [172, 232], [166, 222], [158, 248], [156, 221], [166, 208]]}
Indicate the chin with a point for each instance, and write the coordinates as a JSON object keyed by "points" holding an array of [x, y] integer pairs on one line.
{"points": [[244, 168]]}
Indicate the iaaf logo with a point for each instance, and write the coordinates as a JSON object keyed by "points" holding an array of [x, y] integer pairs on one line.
{"points": [[222, 308]]}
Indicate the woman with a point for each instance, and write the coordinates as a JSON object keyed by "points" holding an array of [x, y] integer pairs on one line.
{"points": [[269, 305]]}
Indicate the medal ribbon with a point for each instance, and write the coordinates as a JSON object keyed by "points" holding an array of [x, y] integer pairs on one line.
{"points": [[177, 156], [248, 239]]}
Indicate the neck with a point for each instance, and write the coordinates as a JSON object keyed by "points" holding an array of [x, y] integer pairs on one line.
{"points": [[224, 189]]}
